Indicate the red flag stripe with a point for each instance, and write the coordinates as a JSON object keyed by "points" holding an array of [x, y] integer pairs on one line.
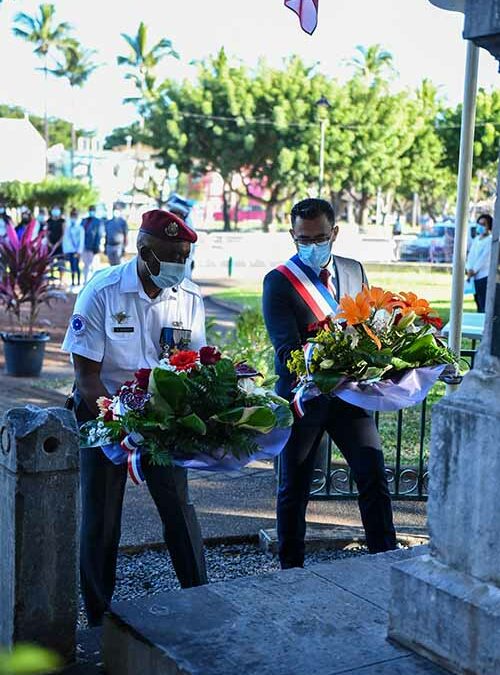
{"points": [[307, 11]]}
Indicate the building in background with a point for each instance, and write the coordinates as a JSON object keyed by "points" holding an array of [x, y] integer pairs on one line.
{"points": [[23, 151]]}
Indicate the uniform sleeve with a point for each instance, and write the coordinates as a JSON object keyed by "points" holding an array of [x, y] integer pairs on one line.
{"points": [[279, 319], [86, 331], [198, 335]]}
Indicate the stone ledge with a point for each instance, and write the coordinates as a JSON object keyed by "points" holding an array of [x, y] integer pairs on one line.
{"points": [[339, 537], [452, 618], [288, 623]]}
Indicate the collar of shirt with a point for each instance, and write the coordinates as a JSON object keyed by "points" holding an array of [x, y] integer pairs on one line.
{"points": [[130, 283]]}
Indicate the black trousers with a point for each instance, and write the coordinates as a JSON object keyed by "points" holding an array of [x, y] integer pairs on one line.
{"points": [[480, 286], [102, 490], [354, 432]]}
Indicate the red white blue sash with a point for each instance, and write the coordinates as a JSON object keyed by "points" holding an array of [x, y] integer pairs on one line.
{"points": [[306, 282]]}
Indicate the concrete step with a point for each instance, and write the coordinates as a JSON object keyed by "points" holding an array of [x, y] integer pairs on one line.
{"points": [[327, 619], [340, 537]]}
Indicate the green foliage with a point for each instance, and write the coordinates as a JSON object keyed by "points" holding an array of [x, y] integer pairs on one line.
{"points": [[250, 342], [64, 192], [141, 63], [118, 137], [25, 659]]}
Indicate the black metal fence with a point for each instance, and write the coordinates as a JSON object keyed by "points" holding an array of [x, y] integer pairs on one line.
{"points": [[406, 460]]}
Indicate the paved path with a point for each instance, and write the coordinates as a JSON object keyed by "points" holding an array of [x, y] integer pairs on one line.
{"points": [[227, 505]]}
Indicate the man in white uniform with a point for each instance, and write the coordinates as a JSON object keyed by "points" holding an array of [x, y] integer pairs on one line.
{"points": [[120, 318]]}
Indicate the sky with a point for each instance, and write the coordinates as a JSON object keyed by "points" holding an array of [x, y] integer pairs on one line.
{"points": [[424, 40]]}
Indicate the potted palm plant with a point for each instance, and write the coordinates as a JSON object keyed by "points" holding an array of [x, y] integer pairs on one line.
{"points": [[25, 286]]}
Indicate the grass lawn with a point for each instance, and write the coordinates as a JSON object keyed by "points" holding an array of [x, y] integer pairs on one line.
{"points": [[435, 287]]}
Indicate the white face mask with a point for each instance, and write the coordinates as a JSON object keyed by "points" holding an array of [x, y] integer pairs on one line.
{"points": [[170, 274], [116, 214]]}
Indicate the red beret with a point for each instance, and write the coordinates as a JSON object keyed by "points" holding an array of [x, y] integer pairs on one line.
{"points": [[166, 225]]}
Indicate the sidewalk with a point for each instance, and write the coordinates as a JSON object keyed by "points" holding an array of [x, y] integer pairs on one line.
{"points": [[228, 505]]}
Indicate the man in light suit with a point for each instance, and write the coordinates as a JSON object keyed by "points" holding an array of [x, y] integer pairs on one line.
{"points": [[288, 315]]}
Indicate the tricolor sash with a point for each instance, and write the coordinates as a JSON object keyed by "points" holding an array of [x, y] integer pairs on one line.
{"points": [[307, 283]]}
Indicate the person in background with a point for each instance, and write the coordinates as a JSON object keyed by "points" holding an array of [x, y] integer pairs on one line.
{"points": [[26, 219], [182, 207], [73, 244], [5, 220], [116, 237], [477, 265], [41, 222], [92, 245], [55, 232]]}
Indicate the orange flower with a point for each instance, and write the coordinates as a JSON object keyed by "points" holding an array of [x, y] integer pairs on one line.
{"points": [[372, 336], [409, 302], [378, 298], [354, 310]]}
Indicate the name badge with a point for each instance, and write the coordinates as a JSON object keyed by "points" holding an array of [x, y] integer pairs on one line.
{"points": [[123, 329]]}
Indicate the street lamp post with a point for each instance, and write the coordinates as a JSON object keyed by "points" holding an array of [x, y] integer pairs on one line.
{"points": [[323, 104]]}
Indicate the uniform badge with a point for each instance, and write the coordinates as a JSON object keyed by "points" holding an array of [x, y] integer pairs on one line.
{"points": [[120, 317], [172, 229], [78, 325]]}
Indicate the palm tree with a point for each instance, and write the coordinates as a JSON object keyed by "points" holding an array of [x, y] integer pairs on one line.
{"points": [[372, 62], [44, 33], [142, 62], [76, 65]]}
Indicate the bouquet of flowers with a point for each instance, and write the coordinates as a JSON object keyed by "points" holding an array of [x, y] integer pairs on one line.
{"points": [[196, 409], [381, 351]]}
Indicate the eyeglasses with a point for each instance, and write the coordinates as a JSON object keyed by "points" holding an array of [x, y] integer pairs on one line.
{"points": [[312, 240]]}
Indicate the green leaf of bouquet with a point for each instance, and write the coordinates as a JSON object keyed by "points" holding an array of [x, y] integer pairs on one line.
{"points": [[399, 364], [421, 350], [194, 423], [326, 382], [258, 418], [170, 387], [284, 417]]}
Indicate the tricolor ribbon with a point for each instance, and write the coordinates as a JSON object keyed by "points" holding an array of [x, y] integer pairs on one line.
{"points": [[131, 445], [307, 389]]}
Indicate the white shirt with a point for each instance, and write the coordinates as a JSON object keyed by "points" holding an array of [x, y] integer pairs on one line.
{"points": [[117, 324], [73, 239], [478, 258]]}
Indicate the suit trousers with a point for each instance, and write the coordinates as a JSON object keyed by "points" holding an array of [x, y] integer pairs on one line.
{"points": [[354, 432], [102, 491]]}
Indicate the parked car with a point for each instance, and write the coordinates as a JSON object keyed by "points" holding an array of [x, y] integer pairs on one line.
{"points": [[249, 212], [435, 245]]}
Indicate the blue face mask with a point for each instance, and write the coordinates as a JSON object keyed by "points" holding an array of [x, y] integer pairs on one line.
{"points": [[56, 213], [315, 255], [480, 230], [170, 274]]}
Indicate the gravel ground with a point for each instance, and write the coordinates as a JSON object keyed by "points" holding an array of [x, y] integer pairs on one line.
{"points": [[151, 572]]}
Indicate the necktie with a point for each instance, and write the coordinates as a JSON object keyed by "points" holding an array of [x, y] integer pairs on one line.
{"points": [[324, 277]]}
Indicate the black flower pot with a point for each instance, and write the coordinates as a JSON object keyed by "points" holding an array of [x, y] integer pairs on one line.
{"points": [[24, 353]]}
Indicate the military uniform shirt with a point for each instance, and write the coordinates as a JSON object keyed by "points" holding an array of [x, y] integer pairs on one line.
{"points": [[115, 322]]}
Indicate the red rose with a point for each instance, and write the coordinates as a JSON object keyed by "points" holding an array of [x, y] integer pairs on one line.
{"points": [[142, 378], [184, 360], [209, 356]]}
